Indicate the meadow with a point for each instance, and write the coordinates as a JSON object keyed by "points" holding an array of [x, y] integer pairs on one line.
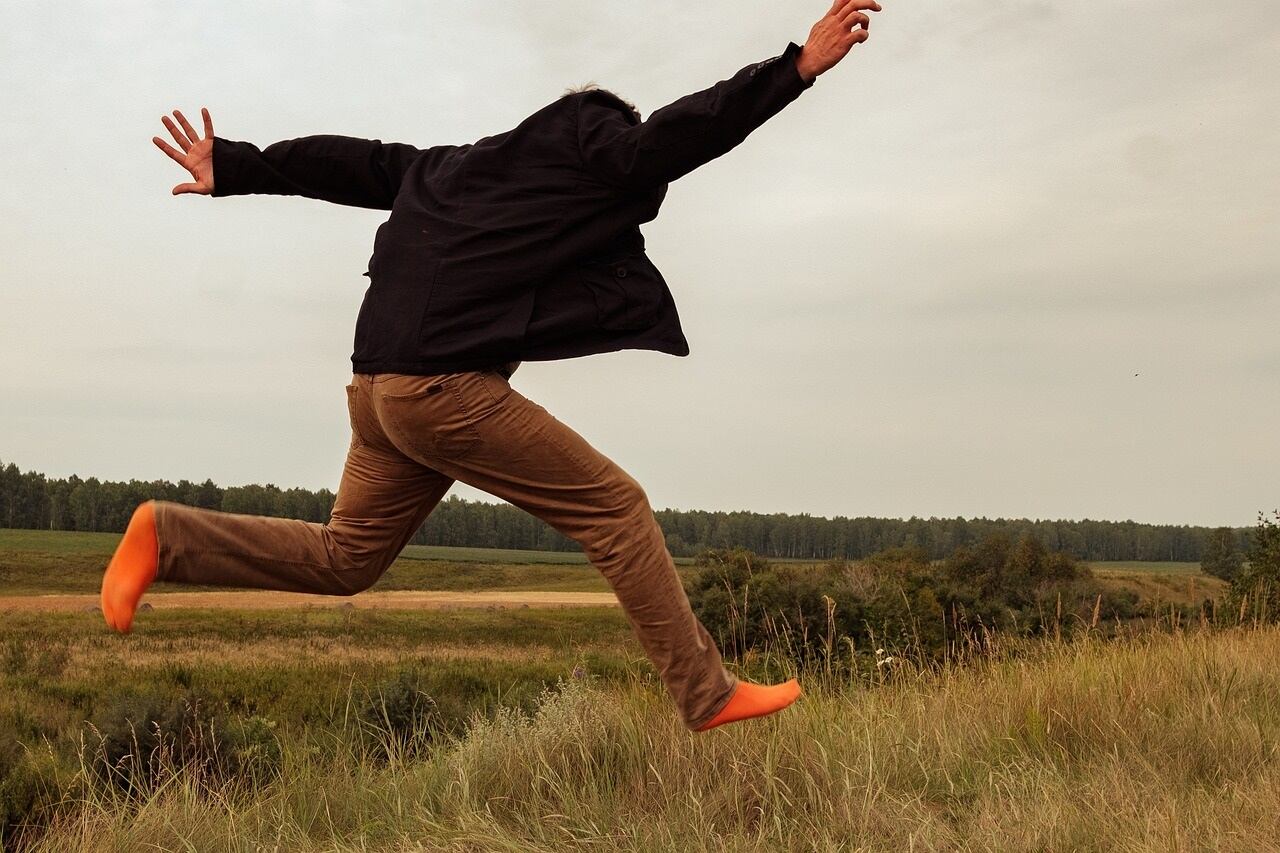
{"points": [[42, 562], [547, 730]]}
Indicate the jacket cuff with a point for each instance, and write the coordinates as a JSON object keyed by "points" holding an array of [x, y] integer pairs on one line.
{"points": [[228, 168], [791, 72]]}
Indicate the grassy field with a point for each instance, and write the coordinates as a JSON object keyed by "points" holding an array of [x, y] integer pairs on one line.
{"points": [[1154, 567], [313, 678], [63, 667], [34, 562], [547, 730], [66, 542], [1152, 743], [1165, 587]]}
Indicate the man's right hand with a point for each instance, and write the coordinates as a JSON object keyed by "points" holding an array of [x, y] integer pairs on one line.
{"points": [[831, 38], [197, 153]]}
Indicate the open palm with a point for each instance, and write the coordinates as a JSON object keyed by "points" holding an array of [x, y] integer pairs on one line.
{"points": [[196, 155]]}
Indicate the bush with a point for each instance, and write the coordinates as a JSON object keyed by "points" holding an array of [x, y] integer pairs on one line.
{"points": [[142, 740], [1255, 592], [896, 598], [398, 717], [1221, 558], [28, 788], [817, 612], [1025, 588]]}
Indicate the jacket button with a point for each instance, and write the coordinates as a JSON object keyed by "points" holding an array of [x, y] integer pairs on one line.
{"points": [[620, 272]]}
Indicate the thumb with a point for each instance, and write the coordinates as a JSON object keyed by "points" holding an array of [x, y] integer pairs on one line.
{"points": [[186, 188]]}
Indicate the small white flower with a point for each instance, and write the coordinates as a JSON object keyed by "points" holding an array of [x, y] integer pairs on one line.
{"points": [[879, 651], [883, 661]]}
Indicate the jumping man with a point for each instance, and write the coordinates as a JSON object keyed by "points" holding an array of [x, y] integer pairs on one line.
{"points": [[522, 246]]}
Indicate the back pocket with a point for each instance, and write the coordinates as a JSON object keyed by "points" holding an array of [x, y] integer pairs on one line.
{"points": [[425, 418]]}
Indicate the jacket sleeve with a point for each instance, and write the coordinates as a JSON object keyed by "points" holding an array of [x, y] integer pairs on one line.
{"points": [[686, 133], [339, 169]]}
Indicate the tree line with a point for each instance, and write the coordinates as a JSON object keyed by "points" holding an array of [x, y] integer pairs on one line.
{"points": [[33, 501]]}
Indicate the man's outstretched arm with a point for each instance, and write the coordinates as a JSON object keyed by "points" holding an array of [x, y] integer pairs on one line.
{"points": [[338, 169], [697, 128]]}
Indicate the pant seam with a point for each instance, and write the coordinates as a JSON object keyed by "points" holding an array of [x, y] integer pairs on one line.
{"points": [[357, 438], [221, 552], [452, 385]]}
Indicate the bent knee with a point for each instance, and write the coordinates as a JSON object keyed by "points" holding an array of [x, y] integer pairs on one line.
{"points": [[355, 569], [630, 495], [353, 578]]}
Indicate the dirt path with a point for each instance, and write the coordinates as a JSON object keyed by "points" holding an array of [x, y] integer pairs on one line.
{"points": [[268, 600]]}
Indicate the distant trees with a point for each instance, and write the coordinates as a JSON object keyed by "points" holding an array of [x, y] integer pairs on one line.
{"points": [[1221, 557], [34, 501], [31, 500]]}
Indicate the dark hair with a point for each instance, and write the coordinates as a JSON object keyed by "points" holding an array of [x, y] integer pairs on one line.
{"points": [[588, 87]]}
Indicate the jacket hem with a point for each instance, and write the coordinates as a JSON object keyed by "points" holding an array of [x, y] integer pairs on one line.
{"points": [[434, 368], [430, 368]]}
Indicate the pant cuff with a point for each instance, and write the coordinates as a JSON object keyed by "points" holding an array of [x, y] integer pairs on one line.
{"points": [[717, 707]]}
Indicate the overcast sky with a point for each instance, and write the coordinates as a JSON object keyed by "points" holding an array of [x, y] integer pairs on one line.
{"points": [[1010, 258]]}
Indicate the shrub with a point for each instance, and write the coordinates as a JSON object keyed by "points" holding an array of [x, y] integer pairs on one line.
{"points": [[141, 740], [398, 717], [897, 598], [1221, 557], [28, 788], [815, 612], [1025, 588], [1255, 592]]}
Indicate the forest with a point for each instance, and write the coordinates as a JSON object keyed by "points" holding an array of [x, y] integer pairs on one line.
{"points": [[33, 501]]}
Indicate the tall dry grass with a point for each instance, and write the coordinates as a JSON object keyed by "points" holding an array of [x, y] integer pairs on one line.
{"points": [[1156, 741]]}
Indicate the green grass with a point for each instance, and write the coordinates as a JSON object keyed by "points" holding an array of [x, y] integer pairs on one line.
{"points": [[65, 542], [36, 562], [459, 577], [1155, 567], [1168, 583], [491, 555], [37, 573], [61, 542]]}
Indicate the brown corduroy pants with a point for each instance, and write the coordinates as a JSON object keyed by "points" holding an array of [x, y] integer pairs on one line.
{"points": [[411, 438]]}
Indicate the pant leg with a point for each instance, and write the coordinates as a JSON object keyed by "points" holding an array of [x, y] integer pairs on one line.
{"points": [[475, 428], [382, 500]]}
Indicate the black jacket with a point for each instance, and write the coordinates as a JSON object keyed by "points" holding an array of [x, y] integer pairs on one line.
{"points": [[525, 245]]}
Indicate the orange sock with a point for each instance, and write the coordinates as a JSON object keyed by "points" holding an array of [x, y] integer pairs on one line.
{"points": [[754, 700], [132, 569]]}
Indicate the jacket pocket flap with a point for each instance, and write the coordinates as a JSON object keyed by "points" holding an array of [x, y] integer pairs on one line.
{"points": [[629, 294]]}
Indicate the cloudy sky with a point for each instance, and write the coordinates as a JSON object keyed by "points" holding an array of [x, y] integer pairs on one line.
{"points": [[1010, 258]]}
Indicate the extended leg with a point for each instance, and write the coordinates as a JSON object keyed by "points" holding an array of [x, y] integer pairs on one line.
{"points": [[477, 429], [382, 500]]}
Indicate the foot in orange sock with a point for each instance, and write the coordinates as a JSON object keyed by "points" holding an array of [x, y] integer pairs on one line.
{"points": [[131, 570], [754, 700]]}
